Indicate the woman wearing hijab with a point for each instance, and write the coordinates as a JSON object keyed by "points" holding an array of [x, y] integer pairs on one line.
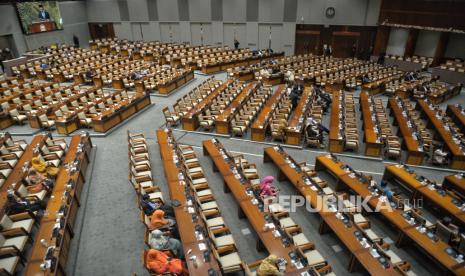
{"points": [[159, 262], [269, 267], [160, 242], [265, 187], [158, 220]]}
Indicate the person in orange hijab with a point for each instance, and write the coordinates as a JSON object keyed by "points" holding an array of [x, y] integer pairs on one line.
{"points": [[158, 220], [159, 262]]}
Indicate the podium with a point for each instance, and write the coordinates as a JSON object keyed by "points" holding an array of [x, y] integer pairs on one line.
{"points": [[42, 26]]}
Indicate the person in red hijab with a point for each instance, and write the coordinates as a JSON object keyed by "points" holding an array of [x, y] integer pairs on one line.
{"points": [[266, 189]]}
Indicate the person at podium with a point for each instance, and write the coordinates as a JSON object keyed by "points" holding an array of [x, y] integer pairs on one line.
{"points": [[43, 14]]}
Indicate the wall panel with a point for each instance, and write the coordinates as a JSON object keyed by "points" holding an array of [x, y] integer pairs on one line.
{"points": [[201, 33], [397, 41], [426, 43], [170, 32]]}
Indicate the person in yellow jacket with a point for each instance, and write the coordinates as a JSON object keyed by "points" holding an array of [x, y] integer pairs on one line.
{"points": [[269, 267]]}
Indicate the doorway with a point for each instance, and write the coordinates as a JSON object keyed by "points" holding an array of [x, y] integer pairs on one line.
{"points": [[101, 30]]}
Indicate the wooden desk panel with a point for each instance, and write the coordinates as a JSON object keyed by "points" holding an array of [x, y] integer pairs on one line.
{"points": [[336, 141], [456, 115], [54, 204], [458, 156], [261, 123], [454, 183], [346, 235], [186, 226], [222, 123], [414, 157], [296, 122], [255, 217], [444, 203], [190, 121], [17, 174], [373, 145], [394, 216]]}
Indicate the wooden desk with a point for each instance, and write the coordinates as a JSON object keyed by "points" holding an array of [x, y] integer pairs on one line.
{"points": [[110, 118], [373, 145], [296, 122], [54, 204], [456, 115], [458, 156], [443, 202], [67, 125], [186, 226], [336, 141], [190, 121], [407, 232], [222, 122], [14, 179], [414, 156], [454, 183], [359, 254], [260, 125], [247, 209]]}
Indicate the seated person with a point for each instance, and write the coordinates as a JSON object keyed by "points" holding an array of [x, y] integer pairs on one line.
{"points": [[265, 187], [160, 242], [440, 157], [148, 207], [36, 182], [160, 263], [16, 205], [269, 267], [158, 220]]}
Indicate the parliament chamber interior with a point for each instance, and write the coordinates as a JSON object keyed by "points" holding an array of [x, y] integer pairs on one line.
{"points": [[232, 137]]}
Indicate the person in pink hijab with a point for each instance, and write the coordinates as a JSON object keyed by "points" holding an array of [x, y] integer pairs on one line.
{"points": [[265, 187]]}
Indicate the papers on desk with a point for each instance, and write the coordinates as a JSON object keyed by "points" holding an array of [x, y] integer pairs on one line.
{"points": [[202, 246], [191, 210]]}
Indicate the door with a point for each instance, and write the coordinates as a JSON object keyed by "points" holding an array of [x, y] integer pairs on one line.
{"points": [[264, 33], [169, 32], [307, 42], [136, 29], [233, 31], [343, 43], [101, 30], [201, 33]]}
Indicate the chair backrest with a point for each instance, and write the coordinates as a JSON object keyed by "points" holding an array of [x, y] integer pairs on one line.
{"points": [[443, 232], [43, 118], [6, 222], [2, 240]]}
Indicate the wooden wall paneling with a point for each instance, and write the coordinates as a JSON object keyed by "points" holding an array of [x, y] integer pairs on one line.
{"points": [[411, 42], [382, 38], [307, 42], [441, 49], [101, 30], [342, 43]]}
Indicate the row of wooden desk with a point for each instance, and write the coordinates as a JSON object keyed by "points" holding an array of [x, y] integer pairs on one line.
{"points": [[108, 118], [15, 177], [359, 254], [296, 123], [336, 141], [455, 113], [186, 226], [62, 198], [190, 121], [223, 121], [409, 180], [407, 233], [411, 145], [373, 146], [249, 210], [458, 156], [260, 125], [223, 66]]}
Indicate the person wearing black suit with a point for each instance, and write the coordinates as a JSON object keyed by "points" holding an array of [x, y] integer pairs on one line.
{"points": [[43, 14]]}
